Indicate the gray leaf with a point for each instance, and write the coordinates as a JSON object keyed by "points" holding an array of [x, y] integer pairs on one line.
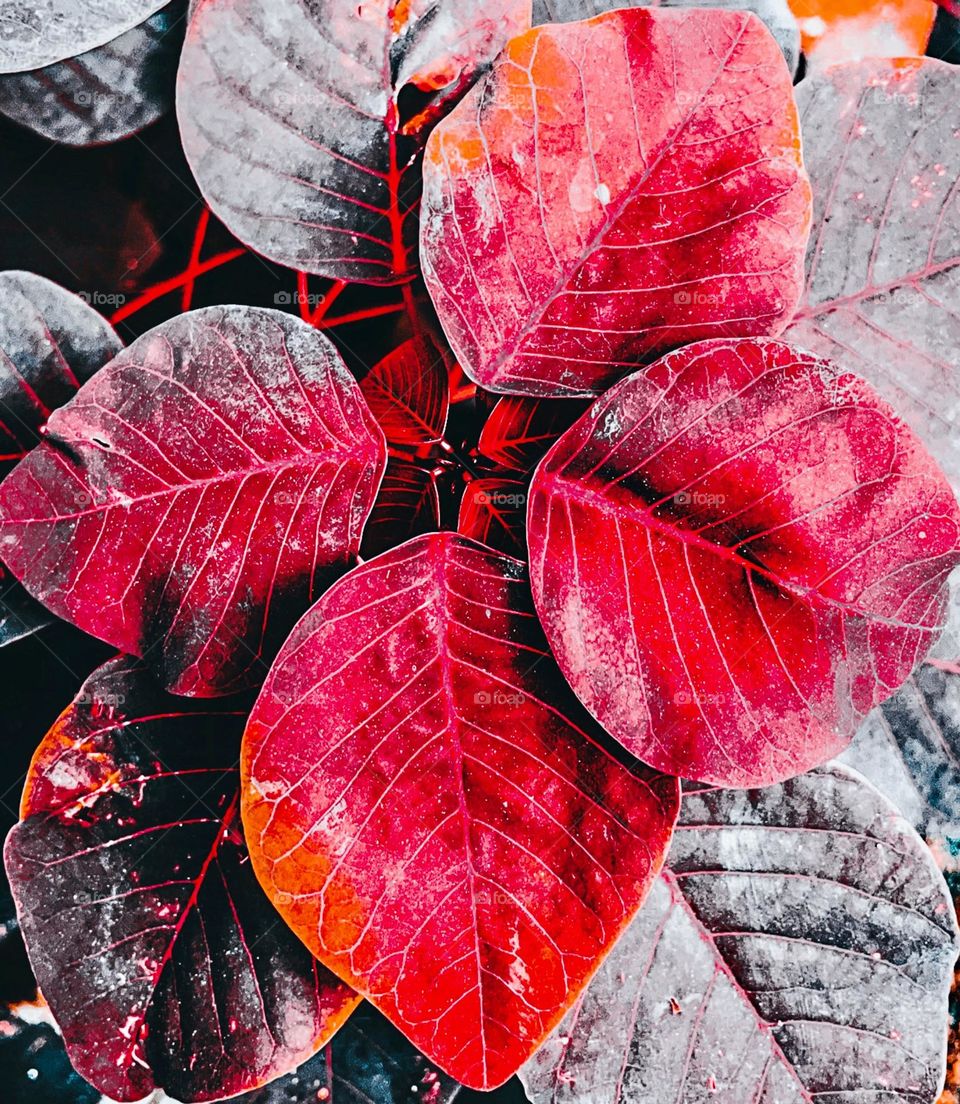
{"points": [[798, 948]]}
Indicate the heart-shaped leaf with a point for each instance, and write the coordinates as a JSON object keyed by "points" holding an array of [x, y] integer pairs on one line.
{"points": [[737, 553], [519, 431], [135, 519], [162, 961], [35, 33], [430, 810], [105, 94], [884, 256], [407, 505], [909, 748], [775, 13], [408, 392], [50, 343], [798, 949], [610, 190], [304, 124], [493, 511]]}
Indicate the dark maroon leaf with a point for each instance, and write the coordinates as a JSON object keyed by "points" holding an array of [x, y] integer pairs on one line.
{"points": [[105, 94], [407, 505], [520, 430], [162, 961], [493, 511], [304, 123], [198, 494], [408, 392], [50, 343]]}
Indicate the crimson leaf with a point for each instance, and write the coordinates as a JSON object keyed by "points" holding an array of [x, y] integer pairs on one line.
{"points": [[135, 519], [612, 189], [735, 555], [432, 811]]}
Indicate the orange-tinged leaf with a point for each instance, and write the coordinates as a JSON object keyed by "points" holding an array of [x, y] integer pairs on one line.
{"points": [[846, 30]]}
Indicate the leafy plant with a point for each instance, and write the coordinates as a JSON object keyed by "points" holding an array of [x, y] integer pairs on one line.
{"points": [[427, 603]]}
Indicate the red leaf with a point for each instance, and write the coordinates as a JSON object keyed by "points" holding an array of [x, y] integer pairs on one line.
{"points": [[493, 511], [427, 805], [408, 392], [134, 519], [735, 554], [519, 431], [50, 342], [407, 505], [318, 167], [612, 189], [155, 948]]}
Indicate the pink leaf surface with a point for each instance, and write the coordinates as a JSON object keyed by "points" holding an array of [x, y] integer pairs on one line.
{"points": [[883, 265], [737, 553], [161, 958], [197, 494], [613, 189], [799, 948], [431, 810], [304, 124]]}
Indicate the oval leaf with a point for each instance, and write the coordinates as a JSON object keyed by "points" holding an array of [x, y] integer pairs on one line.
{"points": [[493, 511], [519, 431], [775, 13], [293, 120], [427, 805], [133, 520], [735, 555], [50, 343], [409, 393], [106, 94], [36, 33], [159, 955], [799, 948], [884, 257], [606, 193]]}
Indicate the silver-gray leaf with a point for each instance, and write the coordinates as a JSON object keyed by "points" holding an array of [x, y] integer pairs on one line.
{"points": [[799, 948]]}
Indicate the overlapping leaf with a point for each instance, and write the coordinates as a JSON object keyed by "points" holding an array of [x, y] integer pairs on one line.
{"points": [[612, 189], [35, 33], [196, 495], [775, 13], [799, 948], [519, 431], [884, 256], [432, 813], [735, 555], [407, 505], [304, 124], [50, 343], [493, 511], [408, 392], [105, 94], [162, 961]]}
